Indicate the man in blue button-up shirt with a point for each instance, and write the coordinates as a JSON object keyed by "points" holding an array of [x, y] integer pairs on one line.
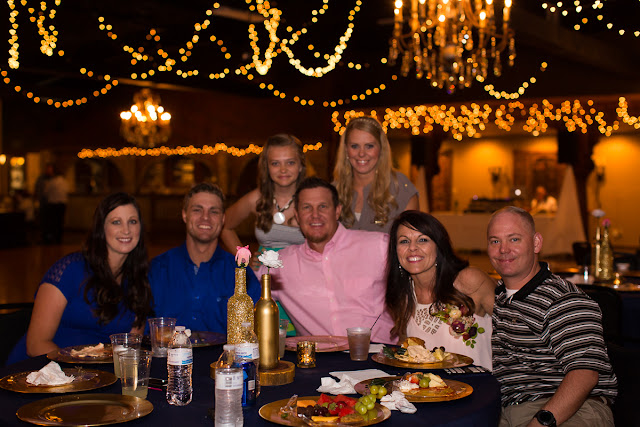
{"points": [[194, 281]]}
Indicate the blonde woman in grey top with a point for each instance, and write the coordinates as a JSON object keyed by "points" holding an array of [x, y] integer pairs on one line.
{"points": [[371, 193]]}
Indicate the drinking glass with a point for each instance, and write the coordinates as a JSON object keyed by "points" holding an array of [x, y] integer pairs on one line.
{"points": [[359, 339], [161, 331], [135, 366], [121, 342]]}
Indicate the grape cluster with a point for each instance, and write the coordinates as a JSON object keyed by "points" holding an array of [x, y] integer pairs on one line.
{"points": [[315, 410], [366, 404]]}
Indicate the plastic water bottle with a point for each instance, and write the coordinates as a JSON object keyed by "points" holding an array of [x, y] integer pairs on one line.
{"points": [[228, 356], [247, 358], [179, 367], [228, 397]]}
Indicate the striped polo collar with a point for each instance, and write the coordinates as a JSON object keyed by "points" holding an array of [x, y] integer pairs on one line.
{"points": [[536, 280]]}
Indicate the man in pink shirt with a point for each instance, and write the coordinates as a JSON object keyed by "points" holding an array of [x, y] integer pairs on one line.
{"points": [[336, 279]]}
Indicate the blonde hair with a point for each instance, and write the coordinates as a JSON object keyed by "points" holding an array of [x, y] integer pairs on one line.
{"points": [[380, 198], [264, 205]]}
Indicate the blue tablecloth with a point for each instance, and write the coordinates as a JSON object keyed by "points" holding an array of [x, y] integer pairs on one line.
{"points": [[481, 408]]}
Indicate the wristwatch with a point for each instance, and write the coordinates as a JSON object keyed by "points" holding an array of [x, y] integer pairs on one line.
{"points": [[546, 418]]}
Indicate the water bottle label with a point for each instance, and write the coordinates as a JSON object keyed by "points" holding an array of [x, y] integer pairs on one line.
{"points": [[229, 381], [179, 356], [247, 351], [251, 385]]}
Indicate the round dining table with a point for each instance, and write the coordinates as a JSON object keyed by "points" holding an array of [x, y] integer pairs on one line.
{"points": [[481, 408]]}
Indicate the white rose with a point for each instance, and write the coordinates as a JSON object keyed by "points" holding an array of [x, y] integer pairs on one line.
{"points": [[455, 313], [270, 259]]}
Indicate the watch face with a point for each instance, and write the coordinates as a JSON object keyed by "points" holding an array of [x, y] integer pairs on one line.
{"points": [[545, 418]]}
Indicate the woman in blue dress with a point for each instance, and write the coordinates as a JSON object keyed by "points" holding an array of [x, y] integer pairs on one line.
{"points": [[87, 296]]}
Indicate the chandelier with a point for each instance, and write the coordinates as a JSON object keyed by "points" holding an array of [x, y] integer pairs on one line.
{"points": [[146, 124], [450, 42]]}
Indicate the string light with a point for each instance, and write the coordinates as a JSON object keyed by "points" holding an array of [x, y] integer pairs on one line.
{"points": [[596, 6], [87, 153], [462, 121], [491, 90]]}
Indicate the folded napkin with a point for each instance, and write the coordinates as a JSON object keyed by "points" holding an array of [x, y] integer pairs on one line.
{"points": [[51, 374], [348, 380], [396, 401]]}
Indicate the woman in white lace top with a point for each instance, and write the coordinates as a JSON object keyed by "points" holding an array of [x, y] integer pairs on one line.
{"points": [[433, 294]]}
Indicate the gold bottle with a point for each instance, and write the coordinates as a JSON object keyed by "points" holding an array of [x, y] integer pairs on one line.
{"points": [[267, 319], [595, 255], [606, 257], [239, 308]]}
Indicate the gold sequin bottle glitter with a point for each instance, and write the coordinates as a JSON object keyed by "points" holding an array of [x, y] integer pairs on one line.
{"points": [[240, 305]]}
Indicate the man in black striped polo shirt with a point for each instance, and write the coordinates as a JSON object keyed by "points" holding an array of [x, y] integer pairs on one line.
{"points": [[548, 350]]}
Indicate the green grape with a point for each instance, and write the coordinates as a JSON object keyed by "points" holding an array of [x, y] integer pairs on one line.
{"points": [[424, 382], [373, 414], [382, 391], [361, 408], [374, 389], [371, 405]]}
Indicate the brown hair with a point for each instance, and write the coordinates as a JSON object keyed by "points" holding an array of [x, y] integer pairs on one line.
{"points": [[264, 205]]}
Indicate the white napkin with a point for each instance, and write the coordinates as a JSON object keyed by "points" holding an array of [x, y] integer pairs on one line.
{"points": [[396, 401], [51, 374], [348, 380]]}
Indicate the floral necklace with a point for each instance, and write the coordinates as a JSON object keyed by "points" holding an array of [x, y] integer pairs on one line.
{"points": [[460, 324]]}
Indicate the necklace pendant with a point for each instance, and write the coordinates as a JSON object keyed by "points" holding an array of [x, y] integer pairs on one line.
{"points": [[278, 218]]}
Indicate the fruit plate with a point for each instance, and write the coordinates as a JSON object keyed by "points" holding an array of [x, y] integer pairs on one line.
{"points": [[271, 412], [324, 343], [85, 379], [454, 361], [459, 390]]}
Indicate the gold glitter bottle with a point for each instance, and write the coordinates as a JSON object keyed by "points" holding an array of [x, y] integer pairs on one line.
{"points": [[267, 318], [606, 257], [239, 308]]}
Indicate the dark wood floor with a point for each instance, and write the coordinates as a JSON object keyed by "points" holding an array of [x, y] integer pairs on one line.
{"points": [[21, 269]]}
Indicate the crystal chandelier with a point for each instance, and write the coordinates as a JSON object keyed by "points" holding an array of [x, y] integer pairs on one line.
{"points": [[146, 124], [450, 42]]}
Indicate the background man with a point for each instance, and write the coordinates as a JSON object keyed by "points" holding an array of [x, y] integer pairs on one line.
{"points": [[194, 281], [543, 202], [336, 279], [548, 350]]}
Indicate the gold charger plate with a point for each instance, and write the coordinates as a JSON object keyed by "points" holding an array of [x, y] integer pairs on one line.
{"points": [[85, 379], [324, 343], [461, 390], [206, 339], [271, 412], [85, 410], [64, 355], [455, 361]]}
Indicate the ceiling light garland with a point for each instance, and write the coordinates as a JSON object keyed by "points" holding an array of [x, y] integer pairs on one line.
{"points": [[56, 102], [491, 90], [180, 151], [469, 122], [140, 55], [597, 5]]}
